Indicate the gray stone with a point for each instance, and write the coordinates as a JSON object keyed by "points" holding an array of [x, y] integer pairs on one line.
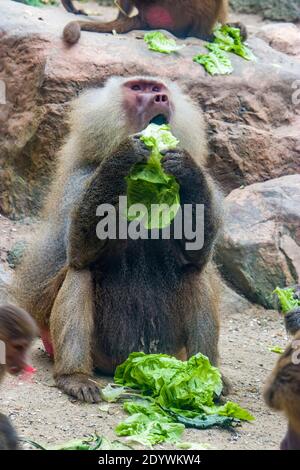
{"points": [[287, 10], [260, 247]]}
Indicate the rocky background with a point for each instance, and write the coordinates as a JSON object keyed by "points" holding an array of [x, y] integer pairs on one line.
{"points": [[286, 10], [253, 119]]}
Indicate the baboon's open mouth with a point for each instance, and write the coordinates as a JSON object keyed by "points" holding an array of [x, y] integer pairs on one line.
{"points": [[160, 119]]}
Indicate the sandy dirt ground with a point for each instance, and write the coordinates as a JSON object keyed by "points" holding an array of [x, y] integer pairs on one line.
{"points": [[42, 413]]}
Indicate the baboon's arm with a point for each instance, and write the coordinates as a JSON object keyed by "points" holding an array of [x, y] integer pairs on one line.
{"points": [[196, 188], [104, 187]]}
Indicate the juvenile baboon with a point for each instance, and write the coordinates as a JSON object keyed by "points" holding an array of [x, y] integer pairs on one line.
{"points": [[282, 392], [182, 18], [97, 301], [17, 331]]}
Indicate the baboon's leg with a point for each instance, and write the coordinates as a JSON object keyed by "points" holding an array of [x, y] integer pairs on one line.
{"points": [[71, 325], [125, 6], [69, 6]]}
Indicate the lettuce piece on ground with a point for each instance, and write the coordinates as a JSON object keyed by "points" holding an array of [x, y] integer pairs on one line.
{"points": [[149, 185], [111, 393], [276, 350], [192, 446], [94, 442], [148, 372], [192, 388], [187, 388], [148, 425], [203, 421], [159, 42], [230, 410], [216, 62], [287, 299], [229, 39]]}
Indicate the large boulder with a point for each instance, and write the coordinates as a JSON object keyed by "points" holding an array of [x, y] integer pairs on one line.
{"points": [[253, 125], [285, 37], [287, 10], [260, 247]]}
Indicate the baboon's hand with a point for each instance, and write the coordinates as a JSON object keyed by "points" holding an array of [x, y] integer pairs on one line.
{"points": [[79, 386], [137, 148], [181, 165], [241, 27], [130, 152]]}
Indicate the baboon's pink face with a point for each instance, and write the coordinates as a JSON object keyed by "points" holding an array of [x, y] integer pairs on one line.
{"points": [[16, 351], [145, 102]]}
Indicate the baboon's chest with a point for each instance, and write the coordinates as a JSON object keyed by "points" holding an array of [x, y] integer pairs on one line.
{"points": [[135, 297]]}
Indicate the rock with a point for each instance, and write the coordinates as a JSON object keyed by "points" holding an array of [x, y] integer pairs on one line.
{"points": [[260, 246], [286, 10], [231, 301], [5, 279], [284, 37], [253, 125], [14, 256]]}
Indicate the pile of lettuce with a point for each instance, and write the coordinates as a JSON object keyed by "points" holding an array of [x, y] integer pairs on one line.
{"points": [[172, 395], [288, 299], [150, 186], [226, 39], [159, 42]]}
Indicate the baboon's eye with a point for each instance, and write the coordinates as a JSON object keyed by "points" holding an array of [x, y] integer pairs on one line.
{"points": [[156, 89], [136, 88]]}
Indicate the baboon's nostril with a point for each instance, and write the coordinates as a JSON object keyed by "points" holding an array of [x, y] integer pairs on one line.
{"points": [[161, 98]]}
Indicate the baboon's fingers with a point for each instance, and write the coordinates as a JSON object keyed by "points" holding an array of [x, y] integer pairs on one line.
{"points": [[79, 386]]}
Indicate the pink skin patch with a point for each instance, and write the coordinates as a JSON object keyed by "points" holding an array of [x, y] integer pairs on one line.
{"points": [[27, 373], [46, 338], [158, 17], [29, 369]]}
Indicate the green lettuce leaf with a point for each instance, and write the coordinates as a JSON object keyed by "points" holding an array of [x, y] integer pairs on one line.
{"points": [[192, 388], [93, 442], [226, 39], [149, 185], [203, 421], [276, 350], [159, 137], [111, 393], [229, 39], [192, 446], [216, 62], [177, 394], [148, 372], [287, 299], [187, 388], [230, 410], [148, 425], [159, 42]]}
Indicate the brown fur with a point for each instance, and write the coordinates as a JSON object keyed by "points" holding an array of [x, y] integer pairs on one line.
{"points": [[17, 330], [189, 18], [282, 391], [105, 300]]}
